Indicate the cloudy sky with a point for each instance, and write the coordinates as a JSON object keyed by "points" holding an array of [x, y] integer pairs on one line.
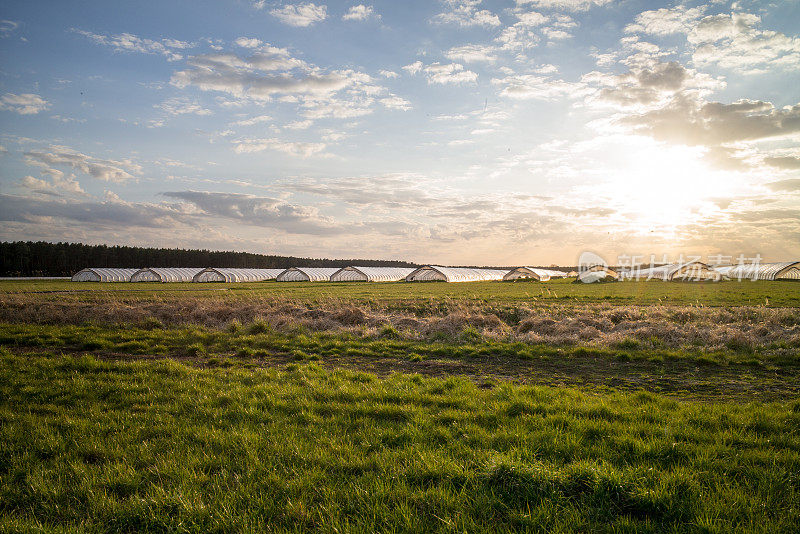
{"points": [[453, 131]]}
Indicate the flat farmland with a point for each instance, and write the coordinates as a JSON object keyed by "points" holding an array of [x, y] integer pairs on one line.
{"points": [[489, 406], [731, 293]]}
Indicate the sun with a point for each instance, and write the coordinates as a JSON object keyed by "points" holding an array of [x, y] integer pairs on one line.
{"points": [[659, 188]]}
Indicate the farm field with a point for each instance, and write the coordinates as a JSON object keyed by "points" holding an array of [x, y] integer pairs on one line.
{"points": [[732, 293], [633, 406]]}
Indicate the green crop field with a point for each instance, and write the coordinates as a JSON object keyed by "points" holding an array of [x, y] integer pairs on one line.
{"points": [[356, 407]]}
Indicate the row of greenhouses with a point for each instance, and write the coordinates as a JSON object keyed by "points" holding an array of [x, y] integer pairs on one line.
{"points": [[690, 271], [699, 271], [427, 273]]}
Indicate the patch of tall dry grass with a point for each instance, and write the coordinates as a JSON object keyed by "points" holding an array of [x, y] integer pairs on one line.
{"points": [[735, 328]]}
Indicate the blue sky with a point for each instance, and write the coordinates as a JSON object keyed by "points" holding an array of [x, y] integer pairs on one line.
{"points": [[456, 132]]}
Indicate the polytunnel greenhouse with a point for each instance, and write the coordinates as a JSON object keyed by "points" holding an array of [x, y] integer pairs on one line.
{"points": [[434, 273], [371, 274], [103, 274], [533, 273], [787, 270], [597, 273], [222, 274], [693, 271], [165, 274], [307, 274]]}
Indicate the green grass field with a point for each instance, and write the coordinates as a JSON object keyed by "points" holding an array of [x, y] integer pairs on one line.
{"points": [[486, 407], [652, 292], [110, 446]]}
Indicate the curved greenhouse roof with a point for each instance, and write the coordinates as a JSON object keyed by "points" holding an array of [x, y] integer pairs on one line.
{"points": [[371, 274], [432, 273], [165, 274], [103, 274], [693, 271], [597, 274], [307, 274], [533, 273], [787, 270], [226, 274]]}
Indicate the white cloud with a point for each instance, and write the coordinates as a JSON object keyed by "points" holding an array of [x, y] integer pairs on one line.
{"points": [[532, 87], [248, 42], [271, 73], [182, 106], [388, 73], [459, 117], [555, 34], [337, 108], [303, 150], [666, 21], [472, 53], [443, 74], [531, 18], [396, 102], [253, 120], [299, 125], [465, 13], [732, 41], [333, 136], [651, 86], [300, 15], [107, 170], [522, 34], [55, 186], [735, 42], [565, 5], [131, 43], [547, 68], [67, 119], [360, 12], [413, 68], [259, 211], [24, 104]]}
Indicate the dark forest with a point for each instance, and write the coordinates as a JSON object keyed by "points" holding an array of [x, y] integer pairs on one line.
{"points": [[29, 258]]}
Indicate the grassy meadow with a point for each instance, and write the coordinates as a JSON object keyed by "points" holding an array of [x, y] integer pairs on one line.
{"points": [[354, 407]]}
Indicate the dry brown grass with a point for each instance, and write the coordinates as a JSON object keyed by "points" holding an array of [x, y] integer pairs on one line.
{"points": [[734, 328]]}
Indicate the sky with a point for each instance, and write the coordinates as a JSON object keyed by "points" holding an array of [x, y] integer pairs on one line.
{"points": [[460, 132]]}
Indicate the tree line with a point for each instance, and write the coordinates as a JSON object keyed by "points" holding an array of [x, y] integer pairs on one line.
{"points": [[40, 258]]}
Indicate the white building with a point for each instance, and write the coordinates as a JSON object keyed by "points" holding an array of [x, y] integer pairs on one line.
{"points": [[533, 273], [597, 273], [787, 270], [693, 271], [165, 274], [433, 273], [307, 274], [225, 274], [371, 274], [103, 274]]}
